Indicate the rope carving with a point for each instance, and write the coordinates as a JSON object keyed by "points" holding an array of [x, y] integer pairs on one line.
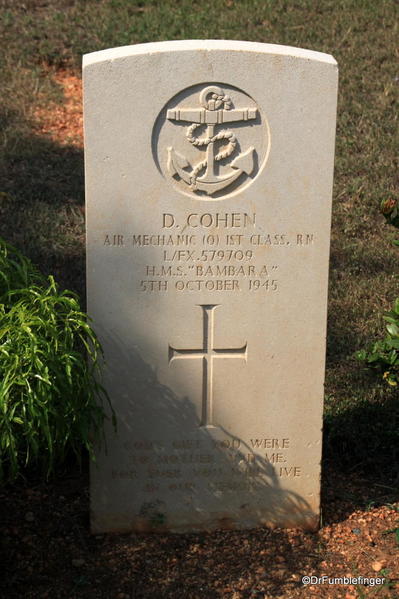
{"points": [[216, 102]]}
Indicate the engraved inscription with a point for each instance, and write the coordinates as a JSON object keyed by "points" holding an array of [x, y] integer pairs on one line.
{"points": [[217, 220], [216, 261], [222, 460], [292, 471], [270, 443], [208, 353], [210, 258]]}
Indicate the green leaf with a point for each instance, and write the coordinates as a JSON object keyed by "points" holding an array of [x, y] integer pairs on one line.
{"points": [[393, 329], [389, 318]]}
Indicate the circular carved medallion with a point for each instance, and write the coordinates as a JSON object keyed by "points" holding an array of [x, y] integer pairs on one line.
{"points": [[211, 141]]}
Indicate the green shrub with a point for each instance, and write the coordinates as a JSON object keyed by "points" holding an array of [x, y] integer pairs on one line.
{"points": [[383, 356], [48, 388]]}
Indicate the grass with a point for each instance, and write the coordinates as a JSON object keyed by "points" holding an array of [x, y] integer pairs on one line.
{"points": [[42, 182]]}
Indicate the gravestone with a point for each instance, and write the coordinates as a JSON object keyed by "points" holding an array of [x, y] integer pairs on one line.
{"points": [[209, 168]]}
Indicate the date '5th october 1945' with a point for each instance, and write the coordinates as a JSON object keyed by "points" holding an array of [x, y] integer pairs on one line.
{"points": [[268, 285]]}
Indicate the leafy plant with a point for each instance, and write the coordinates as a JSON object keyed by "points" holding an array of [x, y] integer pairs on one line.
{"points": [[384, 355], [48, 389]]}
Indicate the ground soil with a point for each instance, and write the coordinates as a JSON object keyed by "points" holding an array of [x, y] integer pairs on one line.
{"points": [[47, 550], [62, 122]]}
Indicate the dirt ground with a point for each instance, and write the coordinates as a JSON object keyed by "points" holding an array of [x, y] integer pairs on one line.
{"points": [[63, 123], [47, 550]]}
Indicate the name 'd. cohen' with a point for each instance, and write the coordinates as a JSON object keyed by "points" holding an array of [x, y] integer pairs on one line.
{"points": [[217, 220]]}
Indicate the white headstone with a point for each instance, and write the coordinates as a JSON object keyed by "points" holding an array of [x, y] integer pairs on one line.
{"points": [[209, 168]]}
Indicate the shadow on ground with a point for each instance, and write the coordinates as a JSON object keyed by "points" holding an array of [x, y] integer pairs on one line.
{"points": [[364, 439], [42, 207], [47, 551]]}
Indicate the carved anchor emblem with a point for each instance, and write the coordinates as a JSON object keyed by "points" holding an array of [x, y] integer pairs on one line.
{"points": [[216, 109]]}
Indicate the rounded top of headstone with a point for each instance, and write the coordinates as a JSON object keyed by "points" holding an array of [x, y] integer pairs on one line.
{"points": [[209, 45]]}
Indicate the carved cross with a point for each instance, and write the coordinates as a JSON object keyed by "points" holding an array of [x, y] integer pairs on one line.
{"points": [[207, 353]]}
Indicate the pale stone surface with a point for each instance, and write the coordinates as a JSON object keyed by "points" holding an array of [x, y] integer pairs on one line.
{"points": [[208, 182]]}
